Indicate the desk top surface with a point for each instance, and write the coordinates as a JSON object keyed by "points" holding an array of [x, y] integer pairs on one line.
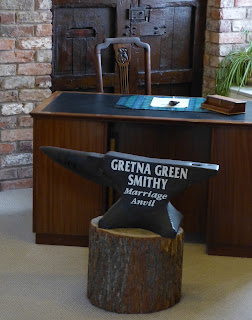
{"points": [[102, 107]]}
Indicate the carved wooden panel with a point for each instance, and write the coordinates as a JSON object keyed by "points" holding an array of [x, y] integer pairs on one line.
{"points": [[174, 30], [77, 32]]}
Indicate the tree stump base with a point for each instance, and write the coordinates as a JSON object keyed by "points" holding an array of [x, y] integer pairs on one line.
{"points": [[133, 270]]}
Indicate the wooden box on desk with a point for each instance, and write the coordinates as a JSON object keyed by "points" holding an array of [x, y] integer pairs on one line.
{"points": [[224, 105]]}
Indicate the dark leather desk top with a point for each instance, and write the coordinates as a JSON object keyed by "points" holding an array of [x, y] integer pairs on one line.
{"points": [[102, 106]]}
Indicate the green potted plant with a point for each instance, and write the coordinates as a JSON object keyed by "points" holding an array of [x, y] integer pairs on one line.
{"points": [[234, 69]]}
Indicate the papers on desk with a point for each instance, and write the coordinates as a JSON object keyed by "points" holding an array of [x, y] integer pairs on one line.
{"points": [[169, 102]]}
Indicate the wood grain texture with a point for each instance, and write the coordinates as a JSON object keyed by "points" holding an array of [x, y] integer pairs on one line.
{"points": [[167, 135], [174, 30], [64, 203], [122, 52], [229, 226], [133, 270]]}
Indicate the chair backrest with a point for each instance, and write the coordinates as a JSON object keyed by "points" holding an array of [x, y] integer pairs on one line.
{"points": [[122, 47]]}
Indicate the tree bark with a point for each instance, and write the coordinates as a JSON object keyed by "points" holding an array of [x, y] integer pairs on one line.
{"points": [[133, 270]]}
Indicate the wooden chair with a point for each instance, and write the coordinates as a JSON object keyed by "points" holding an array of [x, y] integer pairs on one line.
{"points": [[122, 47]]}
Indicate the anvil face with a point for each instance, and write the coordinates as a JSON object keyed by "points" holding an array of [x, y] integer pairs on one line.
{"points": [[146, 186]]}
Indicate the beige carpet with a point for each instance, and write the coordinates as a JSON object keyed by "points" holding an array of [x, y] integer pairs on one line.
{"points": [[40, 282]]}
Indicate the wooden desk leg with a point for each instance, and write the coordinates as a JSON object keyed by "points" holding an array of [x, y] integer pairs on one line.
{"points": [[229, 227]]}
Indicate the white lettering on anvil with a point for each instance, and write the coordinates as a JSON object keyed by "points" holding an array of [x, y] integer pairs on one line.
{"points": [[171, 172], [130, 166], [147, 182], [141, 176], [150, 194], [144, 168], [149, 203]]}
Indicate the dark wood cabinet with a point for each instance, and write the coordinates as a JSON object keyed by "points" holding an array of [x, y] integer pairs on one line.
{"points": [[219, 208], [174, 29], [230, 196], [61, 198]]}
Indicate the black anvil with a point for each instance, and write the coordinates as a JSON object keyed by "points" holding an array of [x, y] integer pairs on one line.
{"points": [[146, 186]]}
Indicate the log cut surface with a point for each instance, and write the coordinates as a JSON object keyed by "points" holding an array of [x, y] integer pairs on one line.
{"points": [[133, 270]]}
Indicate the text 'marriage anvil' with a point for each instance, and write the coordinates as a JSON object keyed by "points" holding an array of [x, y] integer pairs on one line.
{"points": [[146, 186]]}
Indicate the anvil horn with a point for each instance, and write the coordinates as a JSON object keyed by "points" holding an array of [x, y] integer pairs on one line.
{"points": [[86, 164]]}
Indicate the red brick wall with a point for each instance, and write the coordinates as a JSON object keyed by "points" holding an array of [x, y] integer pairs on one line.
{"points": [[25, 68], [226, 20]]}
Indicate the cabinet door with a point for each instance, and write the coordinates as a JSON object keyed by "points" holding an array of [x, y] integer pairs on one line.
{"points": [[174, 30], [229, 227], [64, 203]]}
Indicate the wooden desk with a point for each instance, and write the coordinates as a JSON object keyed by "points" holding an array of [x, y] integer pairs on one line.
{"points": [[219, 209]]}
